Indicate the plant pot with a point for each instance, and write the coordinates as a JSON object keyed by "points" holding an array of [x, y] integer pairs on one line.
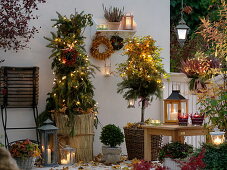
{"points": [[183, 121], [113, 25], [25, 163], [111, 155], [171, 164], [197, 120], [134, 139]]}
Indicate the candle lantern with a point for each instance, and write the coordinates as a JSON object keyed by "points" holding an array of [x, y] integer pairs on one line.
{"points": [[68, 155], [175, 105], [128, 22], [48, 137], [131, 103], [107, 70], [217, 136]]}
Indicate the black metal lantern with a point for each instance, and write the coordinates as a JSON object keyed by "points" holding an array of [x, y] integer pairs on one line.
{"points": [[182, 29], [48, 135]]}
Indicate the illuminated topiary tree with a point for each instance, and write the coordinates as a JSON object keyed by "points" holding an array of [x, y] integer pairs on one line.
{"points": [[142, 72], [73, 91]]}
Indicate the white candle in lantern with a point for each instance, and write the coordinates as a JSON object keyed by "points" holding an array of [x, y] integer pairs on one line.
{"points": [[64, 162], [128, 22], [49, 156], [173, 115], [217, 141], [68, 158]]}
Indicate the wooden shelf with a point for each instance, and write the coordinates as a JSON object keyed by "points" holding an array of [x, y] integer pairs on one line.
{"points": [[129, 31]]}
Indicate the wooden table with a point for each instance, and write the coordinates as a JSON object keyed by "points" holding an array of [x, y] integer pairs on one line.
{"points": [[177, 132]]}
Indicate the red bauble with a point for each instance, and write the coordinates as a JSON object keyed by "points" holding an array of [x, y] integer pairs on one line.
{"points": [[69, 56]]}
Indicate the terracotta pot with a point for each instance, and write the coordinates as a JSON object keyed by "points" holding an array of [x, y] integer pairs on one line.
{"points": [[113, 25]]}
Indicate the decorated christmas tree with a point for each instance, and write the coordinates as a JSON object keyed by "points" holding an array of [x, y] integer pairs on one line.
{"points": [[142, 72], [72, 93]]}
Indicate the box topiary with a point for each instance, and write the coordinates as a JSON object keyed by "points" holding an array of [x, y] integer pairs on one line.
{"points": [[111, 135]]}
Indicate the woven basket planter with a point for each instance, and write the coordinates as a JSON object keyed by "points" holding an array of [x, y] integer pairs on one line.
{"points": [[84, 134], [25, 163], [134, 139]]}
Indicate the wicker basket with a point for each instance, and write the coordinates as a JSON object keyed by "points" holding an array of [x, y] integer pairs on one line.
{"points": [[84, 134], [134, 139], [25, 163]]}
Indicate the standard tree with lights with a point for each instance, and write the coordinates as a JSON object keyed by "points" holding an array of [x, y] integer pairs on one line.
{"points": [[142, 72]]}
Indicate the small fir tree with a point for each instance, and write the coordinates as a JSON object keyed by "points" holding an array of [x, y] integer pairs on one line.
{"points": [[142, 72], [72, 93]]}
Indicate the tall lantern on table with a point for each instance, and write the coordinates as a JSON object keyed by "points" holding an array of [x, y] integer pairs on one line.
{"points": [[175, 105], [48, 135]]}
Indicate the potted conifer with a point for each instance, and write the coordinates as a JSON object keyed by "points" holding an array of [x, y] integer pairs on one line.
{"points": [[142, 75], [71, 101], [111, 136]]}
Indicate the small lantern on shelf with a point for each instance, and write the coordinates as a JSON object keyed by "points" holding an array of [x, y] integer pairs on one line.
{"points": [[131, 103], [128, 22], [48, 135], [68, 155], [175, 105], [218, 137]]}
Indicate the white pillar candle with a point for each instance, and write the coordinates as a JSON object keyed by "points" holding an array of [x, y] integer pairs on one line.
{"points": [[68, 158], [64, 162], [49, 156]]}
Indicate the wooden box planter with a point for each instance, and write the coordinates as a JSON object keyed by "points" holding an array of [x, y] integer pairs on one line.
{"points": [[134, 139], [84, 134]]}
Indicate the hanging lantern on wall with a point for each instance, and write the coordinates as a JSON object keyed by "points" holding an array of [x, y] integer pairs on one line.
{"points": [[68, 155], [174, 106], [48, 136], [128, 22], [217, 136], [131, 103], [182, 29], [107, 70]]}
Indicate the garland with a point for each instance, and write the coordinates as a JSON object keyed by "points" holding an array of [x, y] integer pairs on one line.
{"points": [[117, 42], [101, 40]]}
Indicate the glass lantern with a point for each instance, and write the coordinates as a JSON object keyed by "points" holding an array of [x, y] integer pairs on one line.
{"points": [[175, 105], [131, 103], [68, 155], [128, 22], [107, 70], [48, 136], [217, 136]]}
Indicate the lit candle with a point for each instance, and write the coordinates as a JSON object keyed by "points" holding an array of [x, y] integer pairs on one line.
{"points": [[196, 116], [49, 156], [217, 141], [173, 115], [68, 158], [73, 158], [64, 162], [128, 23]]}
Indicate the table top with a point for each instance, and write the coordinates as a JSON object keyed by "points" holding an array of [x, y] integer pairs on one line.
{"points": [[173, 127]]}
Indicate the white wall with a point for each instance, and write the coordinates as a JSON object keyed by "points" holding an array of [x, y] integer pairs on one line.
{"points": [[152, 17]]}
